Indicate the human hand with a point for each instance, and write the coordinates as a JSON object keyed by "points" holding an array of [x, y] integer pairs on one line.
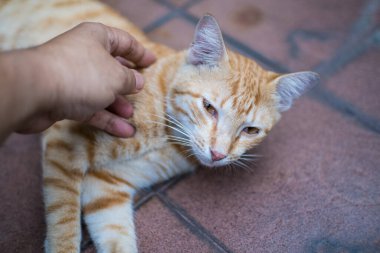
{"points": [[83, 76]]}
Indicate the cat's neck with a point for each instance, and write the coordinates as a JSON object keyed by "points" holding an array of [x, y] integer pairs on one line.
{"points": [[151, 103]]}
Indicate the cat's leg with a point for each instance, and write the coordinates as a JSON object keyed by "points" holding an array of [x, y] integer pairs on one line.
{"points": [[107, 196], [108, 212], [62, 185]]}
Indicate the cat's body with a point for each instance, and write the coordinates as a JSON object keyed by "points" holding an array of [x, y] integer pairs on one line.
{"points": [[204, 103]]}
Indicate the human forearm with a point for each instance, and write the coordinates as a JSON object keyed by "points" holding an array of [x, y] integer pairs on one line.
{"points": [[21, 95]]}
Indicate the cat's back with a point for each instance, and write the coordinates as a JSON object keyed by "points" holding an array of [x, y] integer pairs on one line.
{"points": [[28, 23]]}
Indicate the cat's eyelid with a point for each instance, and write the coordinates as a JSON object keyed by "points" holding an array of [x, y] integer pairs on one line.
{"points": [[258, 126], [211, 102], [252, 124]]}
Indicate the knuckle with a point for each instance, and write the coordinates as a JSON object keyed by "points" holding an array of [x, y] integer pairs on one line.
{"points": [[93, 27], [110, 124], [129, 81], [86, 24], [131, 46], [123, 80]]}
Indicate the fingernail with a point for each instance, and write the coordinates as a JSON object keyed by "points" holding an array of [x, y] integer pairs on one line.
{"points": [[139, 80]]}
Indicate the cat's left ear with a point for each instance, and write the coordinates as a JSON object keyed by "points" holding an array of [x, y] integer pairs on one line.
{"points": [[292, 86], [207, 47]]}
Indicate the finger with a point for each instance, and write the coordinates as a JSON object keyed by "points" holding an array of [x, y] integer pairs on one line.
{"points": [[132, 82], [112, 124], [121, 107], [125, 62], [124, 45]]}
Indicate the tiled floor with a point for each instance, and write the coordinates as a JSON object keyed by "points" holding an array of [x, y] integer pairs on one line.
{"points": [[316, 187]]}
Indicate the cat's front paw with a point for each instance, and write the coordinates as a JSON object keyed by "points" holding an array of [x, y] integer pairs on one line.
{"points": [[118, 247]]}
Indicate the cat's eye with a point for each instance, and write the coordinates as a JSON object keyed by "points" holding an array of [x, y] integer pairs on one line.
{"points": [[209, 108], [251, 130]]}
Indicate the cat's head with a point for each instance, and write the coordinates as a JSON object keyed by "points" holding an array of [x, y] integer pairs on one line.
{"points": [[224, 103]]}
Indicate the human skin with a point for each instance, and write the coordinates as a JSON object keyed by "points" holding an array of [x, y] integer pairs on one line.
{"points": [[79, 75]]}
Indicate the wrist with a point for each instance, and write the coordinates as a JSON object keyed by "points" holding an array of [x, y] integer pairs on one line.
{"points": [[43, 80]]}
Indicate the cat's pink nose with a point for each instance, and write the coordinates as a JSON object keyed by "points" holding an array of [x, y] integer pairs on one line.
{"points": [[216, 156]]}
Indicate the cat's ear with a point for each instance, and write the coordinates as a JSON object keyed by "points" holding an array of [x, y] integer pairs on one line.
{"points": [[207, 47], [292, 86]]}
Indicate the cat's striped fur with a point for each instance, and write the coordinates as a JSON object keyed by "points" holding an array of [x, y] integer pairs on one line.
{"points": [[205, 104]]}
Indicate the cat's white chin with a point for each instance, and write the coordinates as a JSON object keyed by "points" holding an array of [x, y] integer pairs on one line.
{"points": [[210, 163]]}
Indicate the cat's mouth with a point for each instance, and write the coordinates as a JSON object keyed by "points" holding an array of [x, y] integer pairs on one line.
{"points": [[213, 163], [207, 160]]}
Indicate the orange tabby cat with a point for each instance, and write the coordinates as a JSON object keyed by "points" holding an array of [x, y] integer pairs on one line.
{"points": [[203, 105]]}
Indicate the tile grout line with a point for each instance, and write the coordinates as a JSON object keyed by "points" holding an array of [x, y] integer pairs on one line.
{"points": [[184, 6], [149, 194], [192, 224], [173, 12], [359, 30], [160, 22], [366, 16], [172, 182], [328, 98]]}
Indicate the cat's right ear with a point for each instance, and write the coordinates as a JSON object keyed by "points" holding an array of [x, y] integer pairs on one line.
{"points": [[292, 86], [207, 47]]}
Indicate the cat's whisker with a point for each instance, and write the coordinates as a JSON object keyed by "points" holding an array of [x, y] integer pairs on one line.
{"points": [[166, 119], [173, 120], [178, 138], [171, 127], [184, 140], [187, 152], [169, 99], [248, 159], [251, 155], [231, 168], [190, 155], [176, 124], [184, 152], [242, 165], [179, 143]]}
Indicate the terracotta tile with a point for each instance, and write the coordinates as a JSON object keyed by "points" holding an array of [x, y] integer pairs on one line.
{"points": [[358, 83], [141, 13], [314, 190], [159, 231], [266, 25], [21, 213], [168, 34]]}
